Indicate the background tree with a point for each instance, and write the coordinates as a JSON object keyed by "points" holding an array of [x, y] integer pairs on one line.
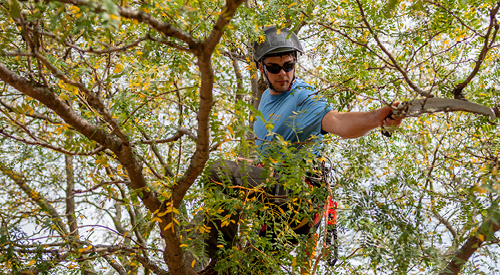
{"points": [[111, 110]]}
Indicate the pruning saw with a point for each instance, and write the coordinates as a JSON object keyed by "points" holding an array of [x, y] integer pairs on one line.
{"points": [[417, 107]]}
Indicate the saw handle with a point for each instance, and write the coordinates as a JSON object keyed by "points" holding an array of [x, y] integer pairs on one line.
{"points": [[385, 132]]}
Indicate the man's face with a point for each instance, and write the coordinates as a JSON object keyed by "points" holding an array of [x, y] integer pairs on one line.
{"points": [[281, 80]]}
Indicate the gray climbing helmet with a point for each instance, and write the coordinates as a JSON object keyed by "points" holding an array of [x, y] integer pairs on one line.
{"points": [[285, 41]]}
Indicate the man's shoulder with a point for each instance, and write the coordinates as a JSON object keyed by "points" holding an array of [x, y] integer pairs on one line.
{"points": [[302, 89]]}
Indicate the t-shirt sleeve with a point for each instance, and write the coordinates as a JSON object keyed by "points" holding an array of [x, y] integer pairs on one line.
{"points": [[311, 108]]}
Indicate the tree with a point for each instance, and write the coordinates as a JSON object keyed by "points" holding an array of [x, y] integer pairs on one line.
{"points": [[111, 111]]}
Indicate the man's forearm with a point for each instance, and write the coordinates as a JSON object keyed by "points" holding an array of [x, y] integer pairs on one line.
{"points": [[353, 124]]}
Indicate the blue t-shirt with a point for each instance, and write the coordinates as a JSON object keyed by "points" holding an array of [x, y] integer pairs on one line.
{"points": [[296, 115]]}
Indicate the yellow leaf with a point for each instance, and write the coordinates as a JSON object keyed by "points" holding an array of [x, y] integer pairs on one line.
{"points": [[168, 226], [281, 210], [114, 17], [75, 9], [118, 68], [220, 246], [83, 249], [291, 5], [273, 160], [192, 264], [175, 211], [479, 189], [481, 237]]}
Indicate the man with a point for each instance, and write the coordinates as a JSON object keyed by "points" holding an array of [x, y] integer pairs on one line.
{"points": [[276, 59], [293, 113]]}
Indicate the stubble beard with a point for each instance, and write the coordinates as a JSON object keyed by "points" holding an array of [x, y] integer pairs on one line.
{"points": [[281, 87]]}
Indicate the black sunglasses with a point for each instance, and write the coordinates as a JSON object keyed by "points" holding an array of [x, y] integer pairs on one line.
{"points": [[275, 68]]}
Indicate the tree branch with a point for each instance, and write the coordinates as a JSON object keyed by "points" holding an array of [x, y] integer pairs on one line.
{"points": [[34, 115], [455, 16], [37, 198], [112, 262], [473, 243], [103, 183], [110, 49], [225, 16], [447, 224], [239, 77], [124, 153], [50, 146], [458, 91], [92, 98], [180, 133], [168, 171], [389, 55], [142, 17], [174, 256], [18, 53]]}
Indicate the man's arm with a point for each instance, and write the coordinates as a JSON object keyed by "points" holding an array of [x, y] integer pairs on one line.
{"points": [[357, 124]]}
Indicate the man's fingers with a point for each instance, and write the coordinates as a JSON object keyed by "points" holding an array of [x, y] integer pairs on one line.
{"points": [[389, 121]]}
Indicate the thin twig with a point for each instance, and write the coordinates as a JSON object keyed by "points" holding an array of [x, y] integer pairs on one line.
{"points": [[389, 55]]}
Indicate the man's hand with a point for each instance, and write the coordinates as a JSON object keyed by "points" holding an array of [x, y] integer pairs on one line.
{"points": [[387, 119]]}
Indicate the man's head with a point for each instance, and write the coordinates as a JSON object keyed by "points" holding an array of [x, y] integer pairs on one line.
{"points": [[276, 58], [279, 71]]}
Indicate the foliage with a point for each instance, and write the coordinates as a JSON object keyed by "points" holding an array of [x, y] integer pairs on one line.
{"points": [[111, 110]]}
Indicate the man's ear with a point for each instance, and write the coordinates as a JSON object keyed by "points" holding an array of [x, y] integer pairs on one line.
{"points": [[260, 68]]}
